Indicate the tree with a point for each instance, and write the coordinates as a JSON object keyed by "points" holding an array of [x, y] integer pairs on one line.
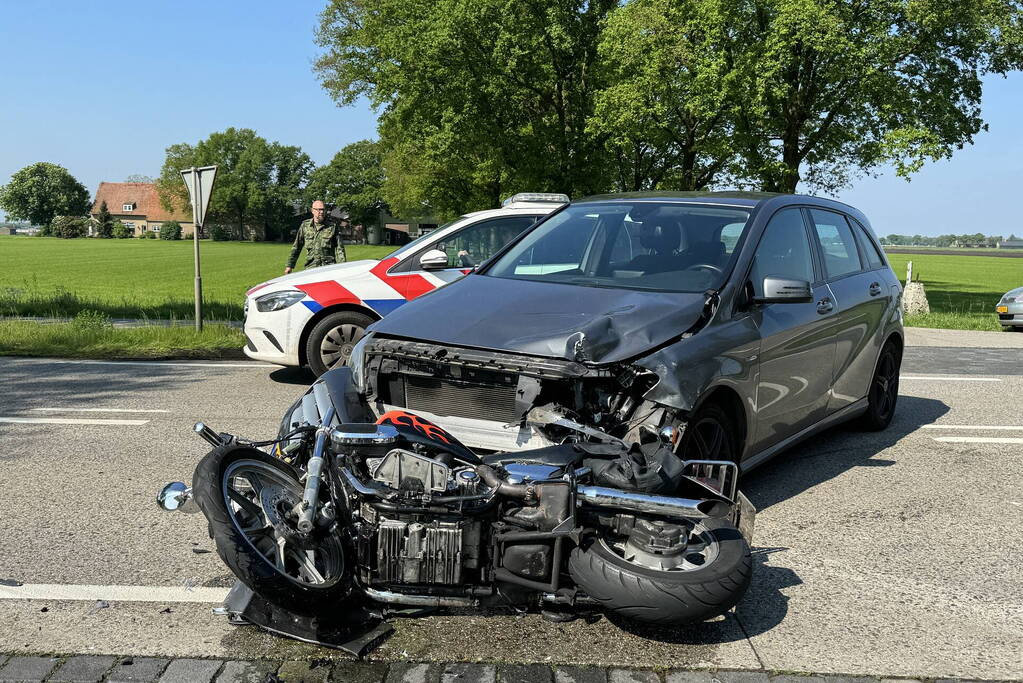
{"points": [[667, 109], [104, 221], [121, 231], [352, 180], [487, 98], [139, 178], [837, 88], [170, 230], [69, 227], [39, 192], [257, 181]]}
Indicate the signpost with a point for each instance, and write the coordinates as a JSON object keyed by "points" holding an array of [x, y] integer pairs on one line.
{"points": [[199, 182]]}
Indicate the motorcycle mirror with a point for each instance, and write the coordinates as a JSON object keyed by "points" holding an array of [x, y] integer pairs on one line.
{"points": [[176, 496]]}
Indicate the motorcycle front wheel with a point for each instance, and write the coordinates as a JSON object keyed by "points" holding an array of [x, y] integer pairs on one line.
{"points": [[248, 496], [708, 579]]}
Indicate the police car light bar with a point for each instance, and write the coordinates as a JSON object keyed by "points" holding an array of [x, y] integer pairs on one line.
{"points": [[546, 197]]}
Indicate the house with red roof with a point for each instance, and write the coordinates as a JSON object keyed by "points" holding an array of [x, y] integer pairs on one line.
{"points": [[137, 205]]}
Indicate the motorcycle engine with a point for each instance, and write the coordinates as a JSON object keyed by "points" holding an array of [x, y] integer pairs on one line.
{"points": [[423, 547]]}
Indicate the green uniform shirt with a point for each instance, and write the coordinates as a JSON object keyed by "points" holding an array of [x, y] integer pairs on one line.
{"points": [[323, 244]]}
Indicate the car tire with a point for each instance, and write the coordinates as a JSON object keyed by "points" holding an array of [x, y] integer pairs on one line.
{"points": [[710, 434], [659, 596], [883, 393], [330, 342], [239, 551]]}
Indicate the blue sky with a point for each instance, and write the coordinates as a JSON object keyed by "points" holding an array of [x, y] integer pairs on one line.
{"points": [[102, 89]]}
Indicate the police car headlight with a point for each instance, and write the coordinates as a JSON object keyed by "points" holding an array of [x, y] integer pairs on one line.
{"points": [[357, 363], [278, 301]]}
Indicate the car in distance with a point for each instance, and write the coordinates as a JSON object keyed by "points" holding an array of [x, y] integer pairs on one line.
{"points": [[1010, 310], [314, 317], [734, 324]]}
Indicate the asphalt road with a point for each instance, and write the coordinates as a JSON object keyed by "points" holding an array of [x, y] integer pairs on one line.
{"points": [[892, 554]]}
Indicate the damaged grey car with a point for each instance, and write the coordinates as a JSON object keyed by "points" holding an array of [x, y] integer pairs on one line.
{"points": [[563, 429], [740, 323]]}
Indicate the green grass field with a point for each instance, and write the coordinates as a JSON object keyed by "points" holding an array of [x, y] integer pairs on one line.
{"points": [[89, 337], [961, 290], [153, 279], [45, 276]]}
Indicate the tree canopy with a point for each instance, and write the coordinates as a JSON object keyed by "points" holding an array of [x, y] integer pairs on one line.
{"points": [[39, 192], [479, 100], [257, 181], [352, 180]]}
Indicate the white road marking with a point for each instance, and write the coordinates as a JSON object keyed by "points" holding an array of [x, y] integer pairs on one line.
{"points": [[154, 363], [977, 439], [1002, 428], [70, 421], [949, 378], [59, 591], [97, 410]]}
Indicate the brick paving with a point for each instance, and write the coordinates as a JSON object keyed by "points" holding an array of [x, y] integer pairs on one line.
{"points": [[110, 669]]}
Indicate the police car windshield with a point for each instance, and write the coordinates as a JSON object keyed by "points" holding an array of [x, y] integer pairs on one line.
{"points": [[660, 246], [417, 242]]}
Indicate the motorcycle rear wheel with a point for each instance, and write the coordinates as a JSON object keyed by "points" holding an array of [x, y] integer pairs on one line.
{"points": [[709, 582], [245, 495]]}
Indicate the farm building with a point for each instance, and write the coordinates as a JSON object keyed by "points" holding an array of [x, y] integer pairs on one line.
{"points": [[137, 205]]}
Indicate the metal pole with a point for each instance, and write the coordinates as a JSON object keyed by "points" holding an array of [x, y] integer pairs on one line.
{"points": [[196, 203]]}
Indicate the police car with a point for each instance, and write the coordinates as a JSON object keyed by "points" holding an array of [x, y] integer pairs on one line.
{"points": [[314, 317]]}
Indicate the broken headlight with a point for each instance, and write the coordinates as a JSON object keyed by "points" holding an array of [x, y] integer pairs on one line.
{"points": [[278, 300], [357, 363]]}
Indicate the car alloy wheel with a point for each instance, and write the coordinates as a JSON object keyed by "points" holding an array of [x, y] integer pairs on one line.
{"points": [[337, 344]]}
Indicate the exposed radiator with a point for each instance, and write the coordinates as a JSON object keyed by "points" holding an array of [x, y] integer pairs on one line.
{"points": [[461, 399]]}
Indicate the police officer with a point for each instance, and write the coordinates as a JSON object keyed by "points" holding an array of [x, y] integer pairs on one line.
{"points": [[321, 236]]}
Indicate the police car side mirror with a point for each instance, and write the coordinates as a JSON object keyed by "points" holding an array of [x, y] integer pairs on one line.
{"points": [[435, 259]]}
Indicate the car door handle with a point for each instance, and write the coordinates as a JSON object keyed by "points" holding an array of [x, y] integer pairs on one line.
{"points": [[825, 305], [875, 288]]}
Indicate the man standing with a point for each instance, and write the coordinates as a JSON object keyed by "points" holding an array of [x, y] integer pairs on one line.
{"points": [[322, 239]]}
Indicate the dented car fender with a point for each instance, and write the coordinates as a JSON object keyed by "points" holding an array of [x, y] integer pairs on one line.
{"points": [[723, 356]]}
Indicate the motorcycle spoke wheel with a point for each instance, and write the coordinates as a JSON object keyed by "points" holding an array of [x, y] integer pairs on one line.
{"points": [[260, 499]]}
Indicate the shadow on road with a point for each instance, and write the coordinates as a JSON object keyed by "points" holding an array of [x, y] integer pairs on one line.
{"points": [[299, 376], [835, 451]]}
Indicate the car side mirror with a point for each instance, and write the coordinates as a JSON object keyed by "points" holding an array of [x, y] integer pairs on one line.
{"points": [[435, 259], [779, 290]]}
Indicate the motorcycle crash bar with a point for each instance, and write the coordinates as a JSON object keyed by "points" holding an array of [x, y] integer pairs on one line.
{"points": [[600, 496]]}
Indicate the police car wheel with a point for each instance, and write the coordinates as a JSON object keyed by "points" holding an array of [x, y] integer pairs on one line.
{"points": [[330, 343]]}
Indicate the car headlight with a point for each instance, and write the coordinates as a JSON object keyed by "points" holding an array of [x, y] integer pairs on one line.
{"points": [[357, 362], [278, 300]]}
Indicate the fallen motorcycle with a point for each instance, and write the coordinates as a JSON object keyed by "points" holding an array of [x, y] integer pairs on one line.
{"points": [[347, 510]]}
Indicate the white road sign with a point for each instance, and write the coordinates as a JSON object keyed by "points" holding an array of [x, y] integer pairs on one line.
{"points": [[200, 187]]}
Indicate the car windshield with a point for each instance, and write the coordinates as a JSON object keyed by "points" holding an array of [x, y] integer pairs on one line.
{"points": [[414, 244], [660, 246]]}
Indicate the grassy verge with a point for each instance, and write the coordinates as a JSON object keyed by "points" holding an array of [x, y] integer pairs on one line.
{"points": [[42, 276], [93, 338], [954, 321]]}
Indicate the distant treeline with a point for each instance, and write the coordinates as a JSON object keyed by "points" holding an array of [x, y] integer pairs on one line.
{"points": [[975, 240]]}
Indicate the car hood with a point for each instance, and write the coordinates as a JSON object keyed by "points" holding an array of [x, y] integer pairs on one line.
{"points": [[1017, 293], [336, 271], [599, 325]]}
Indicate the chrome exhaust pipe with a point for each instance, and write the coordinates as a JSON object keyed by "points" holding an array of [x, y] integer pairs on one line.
{"points": [[392, 598], [600, 496]]}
